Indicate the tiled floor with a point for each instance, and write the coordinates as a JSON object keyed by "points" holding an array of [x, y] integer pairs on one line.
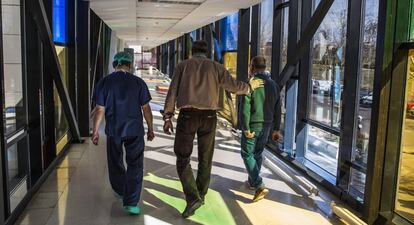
{"points": [[78, 192]]}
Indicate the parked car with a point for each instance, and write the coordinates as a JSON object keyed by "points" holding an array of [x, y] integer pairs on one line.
{"points": [[363, 93], [410, 113], [325, 87], [315, 86], [367, 100], [410, 103]]}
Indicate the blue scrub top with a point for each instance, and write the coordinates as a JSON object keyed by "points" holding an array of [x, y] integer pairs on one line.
{"points": [[123, 94]]}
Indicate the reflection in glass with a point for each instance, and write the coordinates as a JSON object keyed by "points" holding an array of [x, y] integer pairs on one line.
{"points": [[14, 112], [405, 193], [285, 34], [61, 123], [328, 54], [357, 185], [17, 172], [367, 80], [13, 162], [323, 149], [369, 44], [227, 101], [266, 31], [229, 32]]}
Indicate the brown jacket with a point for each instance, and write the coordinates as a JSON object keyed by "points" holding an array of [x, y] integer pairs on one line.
{"points": [[196, 84]]}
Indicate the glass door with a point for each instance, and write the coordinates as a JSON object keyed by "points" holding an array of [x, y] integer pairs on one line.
{"points": [[404, 204]]}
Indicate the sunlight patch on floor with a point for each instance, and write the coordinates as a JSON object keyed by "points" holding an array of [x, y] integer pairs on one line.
{"points": [[278, 213], [214, 212]]}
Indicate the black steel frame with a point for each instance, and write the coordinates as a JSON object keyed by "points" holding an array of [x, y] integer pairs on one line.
{"points": [[276, 40], [83, 67], [171, 57], [39, 13], [255, 28], [242, 55], [3, 170], [350, 94]]}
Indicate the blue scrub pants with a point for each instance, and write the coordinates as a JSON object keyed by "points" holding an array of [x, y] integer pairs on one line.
{"points": [[126, 182]]}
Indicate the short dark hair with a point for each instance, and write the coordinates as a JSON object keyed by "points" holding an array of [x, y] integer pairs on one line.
{"points": [[200, 47], [259, 62]]}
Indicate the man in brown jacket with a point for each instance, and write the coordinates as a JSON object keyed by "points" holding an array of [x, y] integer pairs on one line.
{"points": [[195, 90]]}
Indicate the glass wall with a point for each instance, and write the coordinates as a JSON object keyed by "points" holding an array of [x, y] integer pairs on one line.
{"points": [[285, 34], [366, 88], [14, 103], [61, 122], [328, 53], [60, 39], [14, 111], [404, 204], [266, 31], [228, 46], [283, 57]]}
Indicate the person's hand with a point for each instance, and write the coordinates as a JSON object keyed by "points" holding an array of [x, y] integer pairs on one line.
{"points": [[95, 138], [248, 134], [150, 135], [168, 127], [276, 135], [255, 84]]}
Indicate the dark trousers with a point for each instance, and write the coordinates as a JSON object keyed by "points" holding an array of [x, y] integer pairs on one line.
{"points": [[192, 122], [126, 182]]}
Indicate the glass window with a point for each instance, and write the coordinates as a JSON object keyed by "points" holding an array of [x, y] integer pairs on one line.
{"points": [[13, 76], [61, 123], [266, 31], [327, 54], [229, 32], [405, 195], [285, 34], [369, 44], [228, 101], [17, 172], [367, 80], [60, 21], [323, 149], [328, 62]]}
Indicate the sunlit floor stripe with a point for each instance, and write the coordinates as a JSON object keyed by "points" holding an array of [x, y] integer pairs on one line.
{"points": [[225, 173], [278, 213], [149, 220], [214, 213]]}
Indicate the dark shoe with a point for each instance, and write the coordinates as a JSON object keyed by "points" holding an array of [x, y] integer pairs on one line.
{"points": [[191, 208], [260, 194]]}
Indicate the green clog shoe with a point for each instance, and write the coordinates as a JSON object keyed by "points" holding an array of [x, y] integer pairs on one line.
{"points": [[132, 210]]}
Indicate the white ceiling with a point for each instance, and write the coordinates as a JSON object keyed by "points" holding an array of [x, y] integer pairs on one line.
{"points": [[153, 22]]}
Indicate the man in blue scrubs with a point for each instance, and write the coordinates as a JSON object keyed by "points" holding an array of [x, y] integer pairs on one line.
{"points": [[124, 99]]}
